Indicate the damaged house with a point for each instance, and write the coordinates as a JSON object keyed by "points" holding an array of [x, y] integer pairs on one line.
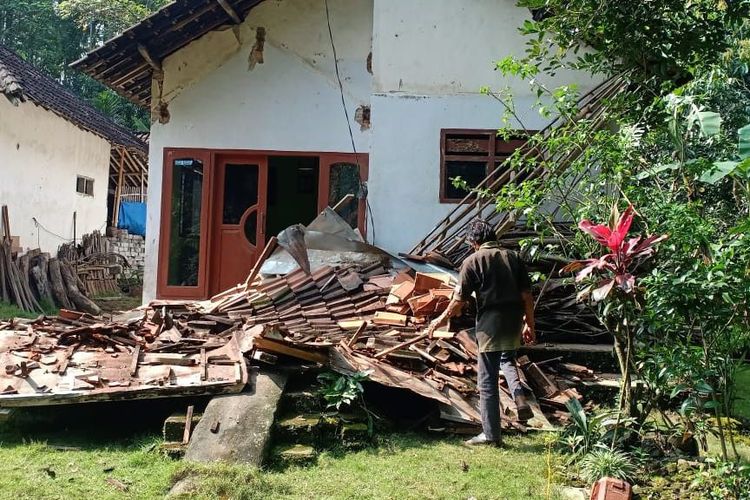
{"points": [[62, 160], [257, 125]]}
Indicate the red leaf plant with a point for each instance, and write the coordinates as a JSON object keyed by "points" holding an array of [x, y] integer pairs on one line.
{"points": [[617, 266]]}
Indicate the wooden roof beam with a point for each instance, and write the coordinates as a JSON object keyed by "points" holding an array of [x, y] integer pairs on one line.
{"points": [[156, 65], [230, 11]]}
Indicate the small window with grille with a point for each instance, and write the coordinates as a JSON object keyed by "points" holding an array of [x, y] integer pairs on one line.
{"points": [[85, 185]]}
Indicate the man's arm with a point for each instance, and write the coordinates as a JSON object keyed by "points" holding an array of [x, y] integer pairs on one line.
{"points": [[529, 332], [454, 309]]}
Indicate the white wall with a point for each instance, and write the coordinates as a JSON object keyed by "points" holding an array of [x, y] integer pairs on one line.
{"points": [[404, 185], [291, 102], [40, 156], [430, 58]]}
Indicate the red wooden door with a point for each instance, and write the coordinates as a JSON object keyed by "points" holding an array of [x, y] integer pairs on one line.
{"points": [[343, 174], [238, 218]]}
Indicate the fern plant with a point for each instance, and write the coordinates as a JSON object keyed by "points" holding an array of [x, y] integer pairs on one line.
{"points": [[604, 462]]}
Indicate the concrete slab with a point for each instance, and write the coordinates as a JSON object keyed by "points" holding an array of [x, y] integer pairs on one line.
{"points": [[237, 427]]}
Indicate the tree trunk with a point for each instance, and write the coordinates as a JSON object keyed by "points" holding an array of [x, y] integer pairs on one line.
{"points": [[57, 285], [39, 274], [81, 302], [15, 294], [22, 271], [626, 387], [3, 289]]}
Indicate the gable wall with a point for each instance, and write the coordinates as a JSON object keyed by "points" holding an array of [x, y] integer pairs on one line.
{"points": [[429, 60], [40, 156], [291, 102]]}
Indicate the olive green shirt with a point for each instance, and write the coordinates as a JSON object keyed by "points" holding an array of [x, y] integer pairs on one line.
{"points": [[497, 277]]}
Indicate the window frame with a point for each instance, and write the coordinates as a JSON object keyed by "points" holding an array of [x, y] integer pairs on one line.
{"points": [[490, 160], [88, 185]]}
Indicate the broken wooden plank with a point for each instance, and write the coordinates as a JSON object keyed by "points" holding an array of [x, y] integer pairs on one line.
{"points": [[387, 318], [357, 334], [277, 347], [402, 345], [541, 382], [134, 360], [188, 425]]}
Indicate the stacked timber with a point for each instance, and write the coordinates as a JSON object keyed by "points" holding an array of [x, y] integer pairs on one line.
{"points": [[32, 279], [97, 267]]}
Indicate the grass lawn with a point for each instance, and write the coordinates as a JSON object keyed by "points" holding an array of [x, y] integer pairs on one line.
{"points": [[8, 311], [71, 453], [403, 466]]}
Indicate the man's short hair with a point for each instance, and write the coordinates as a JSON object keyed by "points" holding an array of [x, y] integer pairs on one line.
{"points": [[480, 232]]}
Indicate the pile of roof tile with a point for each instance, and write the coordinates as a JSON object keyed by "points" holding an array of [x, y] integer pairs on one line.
{"points": [[158, 352], [348, 306], [366, 320]]}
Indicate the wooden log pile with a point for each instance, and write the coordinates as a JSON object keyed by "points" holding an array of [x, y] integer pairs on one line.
{"points": [[32, 279], [97, 267]]}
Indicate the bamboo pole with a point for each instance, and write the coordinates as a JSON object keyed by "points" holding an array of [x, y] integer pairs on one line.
{"points": [[118, 189], [590, 102], [473, 204]]}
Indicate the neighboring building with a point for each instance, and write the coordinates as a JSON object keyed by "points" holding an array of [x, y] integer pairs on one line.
{"points": [[55, 151], [249, 133]]}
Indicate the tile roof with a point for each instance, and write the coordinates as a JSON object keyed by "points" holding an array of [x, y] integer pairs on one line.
{"points": [[20, 81], [124, 63]]}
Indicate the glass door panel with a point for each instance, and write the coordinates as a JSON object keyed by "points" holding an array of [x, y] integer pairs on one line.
{"points": [[185, 223]]}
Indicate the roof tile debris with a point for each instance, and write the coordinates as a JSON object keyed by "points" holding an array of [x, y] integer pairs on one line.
{"points": [[357, 315], [20, 81]]}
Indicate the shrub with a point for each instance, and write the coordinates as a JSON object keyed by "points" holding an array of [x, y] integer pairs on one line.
{"points": [[604, 462]]}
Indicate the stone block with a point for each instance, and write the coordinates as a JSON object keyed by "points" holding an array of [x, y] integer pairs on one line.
{"points": [[297, 454], [174, 426], [236, 427]]}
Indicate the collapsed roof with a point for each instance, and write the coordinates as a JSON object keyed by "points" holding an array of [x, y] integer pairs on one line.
{"points": [[127, 62], [20, 81]]}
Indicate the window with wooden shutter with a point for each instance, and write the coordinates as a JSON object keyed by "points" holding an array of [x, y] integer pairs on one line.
{"points": [[471, 155]]}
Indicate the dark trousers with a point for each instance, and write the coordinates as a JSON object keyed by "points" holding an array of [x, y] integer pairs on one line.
{"points": [[489, 366]]}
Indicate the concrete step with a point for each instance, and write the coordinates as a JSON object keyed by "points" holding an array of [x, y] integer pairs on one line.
{"points": [[314, 429], [301, 401], [173, 449], [236, 428], [174, 426], [355, 435], [6, 415], [295, 454]]}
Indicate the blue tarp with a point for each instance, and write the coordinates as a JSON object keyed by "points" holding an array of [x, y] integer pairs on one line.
{"points": [[132, 217]]}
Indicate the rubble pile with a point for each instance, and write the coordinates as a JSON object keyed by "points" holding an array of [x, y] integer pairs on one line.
{"points": [[76, 357], [351, 310]]}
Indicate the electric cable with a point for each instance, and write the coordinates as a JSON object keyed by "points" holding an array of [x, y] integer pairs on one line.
{"points": [[362, 185]]}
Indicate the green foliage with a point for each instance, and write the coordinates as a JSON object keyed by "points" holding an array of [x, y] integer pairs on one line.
{"points": [[103, 19], [587, 432], [668, 40], [676, 146], [604, 462], [723, 480], [341, 390]]}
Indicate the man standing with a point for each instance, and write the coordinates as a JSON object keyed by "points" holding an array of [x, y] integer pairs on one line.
{"points": [[505, 313]]}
